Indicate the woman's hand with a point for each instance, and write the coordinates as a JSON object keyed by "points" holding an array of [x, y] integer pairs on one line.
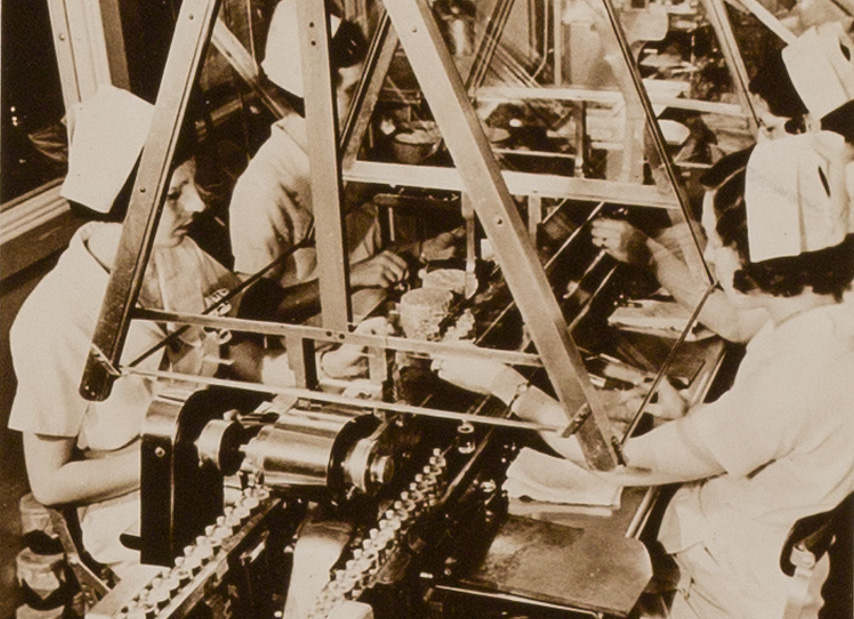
{"points": [[670, 403], [384, 270], [276, 370], [479, 375], [622, 240], [348, 360], [622, 405], [443, 246], [666, 403]]}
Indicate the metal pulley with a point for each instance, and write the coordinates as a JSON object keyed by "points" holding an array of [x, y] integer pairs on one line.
{"points": [[332, 449]]}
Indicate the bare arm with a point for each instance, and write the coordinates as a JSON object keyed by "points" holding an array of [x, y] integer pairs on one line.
{"points": [[628, 244], [55, 478], [718, 313], [665, 455], [266, 300]]}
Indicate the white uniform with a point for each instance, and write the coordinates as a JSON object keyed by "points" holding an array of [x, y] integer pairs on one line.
{"points": [[783, 433], [271, 209], [50, 340]]}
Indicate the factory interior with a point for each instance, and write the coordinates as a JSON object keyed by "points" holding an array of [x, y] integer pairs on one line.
{"points": [[422, 309]]}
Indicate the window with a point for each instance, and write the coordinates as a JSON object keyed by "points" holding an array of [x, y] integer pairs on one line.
{"points": [[33, 136]]}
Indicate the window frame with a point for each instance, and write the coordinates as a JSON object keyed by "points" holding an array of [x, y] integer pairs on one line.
{"points": [[90, 51]]}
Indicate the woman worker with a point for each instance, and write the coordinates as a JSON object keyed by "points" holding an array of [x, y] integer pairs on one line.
{"points": [[272, 211], [87, 453], [812, 76], [777, 446]]}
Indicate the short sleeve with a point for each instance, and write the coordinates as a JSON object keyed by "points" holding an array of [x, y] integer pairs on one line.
{"points": [[270, 208], [755, 423], [42, 349]]}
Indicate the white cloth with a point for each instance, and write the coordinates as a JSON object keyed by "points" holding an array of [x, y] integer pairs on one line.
{"points": [[542, 477], [50, 339], [820, 63], [796, 196], [271, 209], [282, 56], [783, 433], [109, 131]]}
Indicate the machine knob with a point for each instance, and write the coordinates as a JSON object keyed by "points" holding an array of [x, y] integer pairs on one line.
{"points": [[382, 470]]}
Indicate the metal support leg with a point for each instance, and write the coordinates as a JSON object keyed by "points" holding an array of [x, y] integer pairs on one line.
{"points": [[301, 360], [438, 77], [186, 55], [321, 129]]}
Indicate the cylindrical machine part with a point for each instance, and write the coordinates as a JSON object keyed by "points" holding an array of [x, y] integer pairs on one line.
{"points": [[311, 449], [219, 444], [364, 468]]}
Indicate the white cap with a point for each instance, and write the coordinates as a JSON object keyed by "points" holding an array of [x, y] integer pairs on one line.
{"points": [[282, 59], [795, 195], [821, 66], [108, 132]]}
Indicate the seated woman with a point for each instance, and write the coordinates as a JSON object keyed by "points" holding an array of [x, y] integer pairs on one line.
{"points": [[272, 211], [87, 453], [812, 77], [777, 446], [657, 253]]}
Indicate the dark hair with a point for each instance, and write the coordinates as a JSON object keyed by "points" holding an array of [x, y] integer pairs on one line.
{"points": [[826, 271], [841, 121], [773, 84]]}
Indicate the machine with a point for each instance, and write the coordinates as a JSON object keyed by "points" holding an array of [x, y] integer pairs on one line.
{"points": [[386, 499]]}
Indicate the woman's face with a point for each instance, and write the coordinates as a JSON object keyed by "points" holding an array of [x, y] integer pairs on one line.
{"points": [[183, 203], [723, 260]]}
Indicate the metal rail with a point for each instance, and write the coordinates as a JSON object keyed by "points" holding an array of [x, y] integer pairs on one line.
{"points": [[192, 33]]}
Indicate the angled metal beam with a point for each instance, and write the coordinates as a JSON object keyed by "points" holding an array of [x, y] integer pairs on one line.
{"points": [[518, 183], [692, 253], [231, 48], [717, 14], [321, 129], [441, 83], [380, 55], [604, 96], [193, 28], [767, 18]]}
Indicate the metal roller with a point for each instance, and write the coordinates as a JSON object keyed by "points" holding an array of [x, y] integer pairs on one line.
{"points": [[332, 449]]}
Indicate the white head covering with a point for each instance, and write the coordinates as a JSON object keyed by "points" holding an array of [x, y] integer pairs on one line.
{"points": [[820, 63], [795, 195], [108, 132], [282, 59]]}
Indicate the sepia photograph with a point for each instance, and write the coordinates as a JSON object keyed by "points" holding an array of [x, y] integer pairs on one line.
{"points": [[427, 309]]}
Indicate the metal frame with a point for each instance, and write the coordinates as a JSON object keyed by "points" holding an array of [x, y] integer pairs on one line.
{"points": [[476, 174], [321, 116], [518, 183], [460, 127], [717, 15], [192, 33], [377, 64], [89, 46]]}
